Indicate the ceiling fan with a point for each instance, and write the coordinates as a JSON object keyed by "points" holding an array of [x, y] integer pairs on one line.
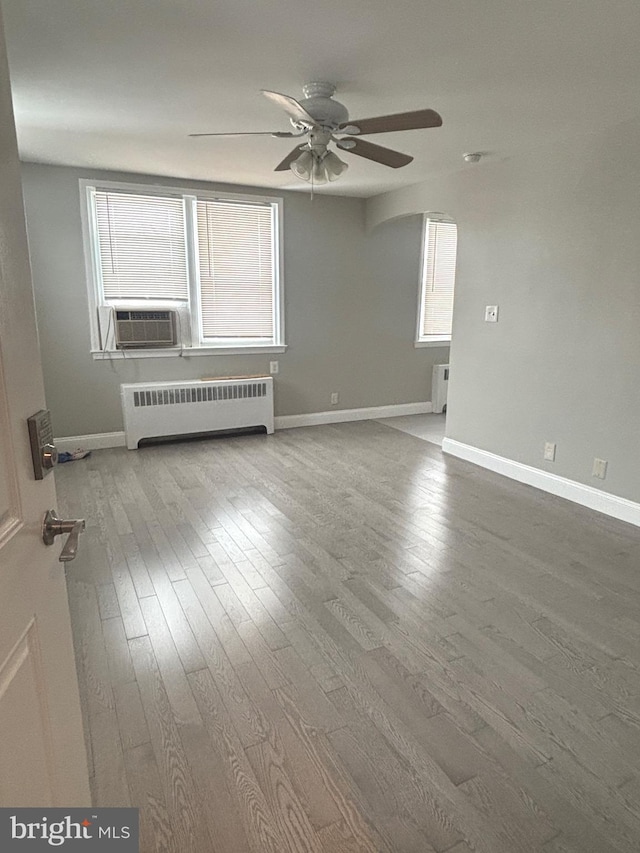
{"points": [[323, 120]]}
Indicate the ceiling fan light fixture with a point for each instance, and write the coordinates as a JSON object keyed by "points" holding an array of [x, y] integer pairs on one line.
{"points": [[319, 173], [303, 166], [318, 168], [333, 166]]}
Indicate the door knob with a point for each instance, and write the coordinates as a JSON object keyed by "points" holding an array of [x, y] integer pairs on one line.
{"points": [[53, 526]]}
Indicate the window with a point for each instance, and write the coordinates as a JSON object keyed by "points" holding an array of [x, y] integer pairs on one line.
{"points": [[235, 270], [215, 260], [437, 282]]}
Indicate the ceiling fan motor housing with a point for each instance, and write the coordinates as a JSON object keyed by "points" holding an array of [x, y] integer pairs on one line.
{"points": [[320, 105]]}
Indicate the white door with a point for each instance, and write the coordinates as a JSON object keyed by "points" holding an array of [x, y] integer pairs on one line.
{"points": [[42, 753]]}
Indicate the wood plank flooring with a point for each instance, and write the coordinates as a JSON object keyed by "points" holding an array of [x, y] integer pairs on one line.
{"points": [[338, 640]]}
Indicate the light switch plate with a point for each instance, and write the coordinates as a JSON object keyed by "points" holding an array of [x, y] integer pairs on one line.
{"points": [[491, 314]]}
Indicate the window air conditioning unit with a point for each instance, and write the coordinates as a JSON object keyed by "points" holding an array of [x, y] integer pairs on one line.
{"points": [[145, 329], [439, 387]]}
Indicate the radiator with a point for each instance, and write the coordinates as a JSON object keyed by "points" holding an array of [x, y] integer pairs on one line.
{"points": [[157, 409], [439, 387]]}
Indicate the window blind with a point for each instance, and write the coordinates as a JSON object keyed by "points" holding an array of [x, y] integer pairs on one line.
{"points": [[237, 269], [438, 272], [141, 246]]}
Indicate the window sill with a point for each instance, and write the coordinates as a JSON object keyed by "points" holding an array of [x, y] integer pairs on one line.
{"points": [[436, 341], [184, 352]]}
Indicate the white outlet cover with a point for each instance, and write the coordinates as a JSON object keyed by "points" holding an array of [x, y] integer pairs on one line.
{"points": [[549, 451], [491, 314], [274, 367], [599, 468]]}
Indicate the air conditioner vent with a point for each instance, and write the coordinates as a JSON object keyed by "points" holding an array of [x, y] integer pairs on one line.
{"points": [[145, 329]]}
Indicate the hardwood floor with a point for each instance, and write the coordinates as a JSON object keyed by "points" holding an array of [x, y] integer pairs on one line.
{"points": [[430, 427], [336, 639]]}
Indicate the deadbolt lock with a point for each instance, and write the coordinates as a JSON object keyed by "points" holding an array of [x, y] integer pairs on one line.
{"points": [[43, 450]]}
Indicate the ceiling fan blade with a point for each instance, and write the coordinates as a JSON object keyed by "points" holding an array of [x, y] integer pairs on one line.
{"points": [[288, 160], [280, 134], [399, 121], [292, 108], [375, 152]]}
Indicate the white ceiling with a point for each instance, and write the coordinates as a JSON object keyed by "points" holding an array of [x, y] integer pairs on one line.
{"points": [[118, 84]]}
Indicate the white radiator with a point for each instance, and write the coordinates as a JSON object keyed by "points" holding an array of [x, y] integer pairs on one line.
{"points": [[156, 409], [439, 387]]}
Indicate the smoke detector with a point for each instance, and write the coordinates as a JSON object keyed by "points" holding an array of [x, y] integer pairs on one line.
{"points": [[472, 158]]}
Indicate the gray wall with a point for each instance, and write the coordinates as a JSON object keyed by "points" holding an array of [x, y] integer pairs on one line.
{"points": [[350, 308], [553, 238]]}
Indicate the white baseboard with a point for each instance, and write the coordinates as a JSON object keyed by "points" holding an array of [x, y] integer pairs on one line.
{"points": [[95, 441], [338, 416], [102, 440], [604, 502]]}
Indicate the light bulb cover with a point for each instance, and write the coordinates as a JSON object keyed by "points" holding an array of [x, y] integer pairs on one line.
{"points": [[334, 166], [318, 167], [303, 166], [319, 173]]}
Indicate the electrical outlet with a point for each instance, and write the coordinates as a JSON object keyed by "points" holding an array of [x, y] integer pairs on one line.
{"points": [[549, 451], [599, 468], [334, 398], [491, 314], [274, 367]]}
